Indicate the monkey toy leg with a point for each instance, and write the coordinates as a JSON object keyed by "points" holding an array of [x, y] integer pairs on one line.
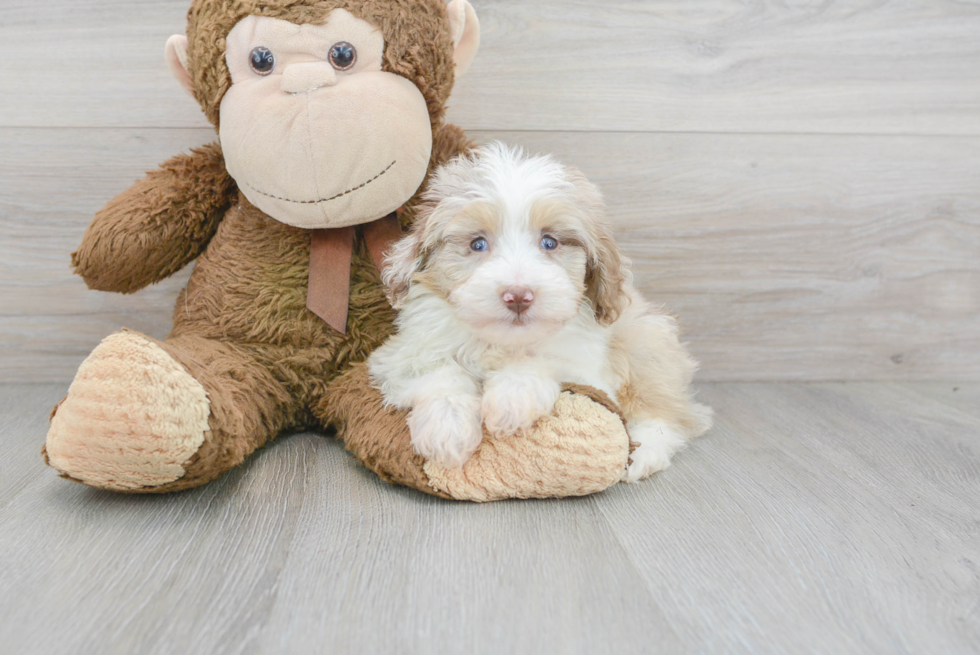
{"points": [[144, 416], [582, 448]]}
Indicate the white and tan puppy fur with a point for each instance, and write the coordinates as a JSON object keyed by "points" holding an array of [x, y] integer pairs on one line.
{"points": [[509, 284]]}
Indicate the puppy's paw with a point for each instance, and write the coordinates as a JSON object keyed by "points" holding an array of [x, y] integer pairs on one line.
{"points": [[657, 444], [512, 402], [447, 429]]}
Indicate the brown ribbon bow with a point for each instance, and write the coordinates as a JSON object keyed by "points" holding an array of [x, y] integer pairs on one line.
{"points": [[331, 249]]}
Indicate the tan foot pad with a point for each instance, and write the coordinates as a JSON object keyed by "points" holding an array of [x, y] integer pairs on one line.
{"points": [[582, 448], [132, 417]]}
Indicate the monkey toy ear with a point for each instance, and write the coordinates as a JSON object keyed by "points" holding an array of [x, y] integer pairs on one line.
{"points": [[465, 27], [176, 54]]}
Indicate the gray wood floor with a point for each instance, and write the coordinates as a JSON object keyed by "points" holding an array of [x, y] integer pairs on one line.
{"points": [[825, 518]]}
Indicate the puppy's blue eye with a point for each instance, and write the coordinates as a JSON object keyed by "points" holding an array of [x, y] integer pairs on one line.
{"points": [[549, 243], [480, 245]]}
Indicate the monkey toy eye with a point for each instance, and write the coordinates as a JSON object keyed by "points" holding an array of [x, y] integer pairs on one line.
{"points": [[548, 243], [480, 245], [262, 60], [343, 56]]}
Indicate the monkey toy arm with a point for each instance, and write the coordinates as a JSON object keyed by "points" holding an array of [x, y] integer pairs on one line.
{"points": [[157, 226]]}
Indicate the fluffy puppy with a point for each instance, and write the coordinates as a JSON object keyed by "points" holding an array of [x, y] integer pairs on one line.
{"points": [[509, 284]]}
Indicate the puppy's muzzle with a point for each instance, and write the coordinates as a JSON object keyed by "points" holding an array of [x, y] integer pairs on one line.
{"points": [[518, 299]]}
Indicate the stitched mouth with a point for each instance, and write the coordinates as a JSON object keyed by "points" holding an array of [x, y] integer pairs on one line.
{"points": [[316, 202]]}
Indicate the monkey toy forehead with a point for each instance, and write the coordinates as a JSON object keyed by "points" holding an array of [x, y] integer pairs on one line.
{"points": [[302, 43], [418, 43]]}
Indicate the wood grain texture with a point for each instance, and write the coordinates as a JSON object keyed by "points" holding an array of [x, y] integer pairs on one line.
{"points": [[856, 66], [963, 397], [814, 518], [822, 518], [806, 257]]}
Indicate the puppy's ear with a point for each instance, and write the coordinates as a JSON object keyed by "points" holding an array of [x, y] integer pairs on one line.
{"points": [[403, 260], [605, 281], [607, 273]]}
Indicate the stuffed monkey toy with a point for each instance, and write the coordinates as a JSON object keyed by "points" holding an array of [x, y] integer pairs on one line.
{"points": [[330, 117]]}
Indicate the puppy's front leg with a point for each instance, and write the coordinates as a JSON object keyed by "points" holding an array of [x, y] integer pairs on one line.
{"points": [[445, 418], [514, 399]]}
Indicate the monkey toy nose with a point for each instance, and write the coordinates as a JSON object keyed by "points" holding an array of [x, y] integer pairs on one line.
{"points": [[518, 299], [307, 77]]}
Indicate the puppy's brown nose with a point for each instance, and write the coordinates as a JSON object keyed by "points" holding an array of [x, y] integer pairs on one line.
{"points": [[517, 299]]}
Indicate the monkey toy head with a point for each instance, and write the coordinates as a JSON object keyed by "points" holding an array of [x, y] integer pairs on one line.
{"points": [[325, 108]]}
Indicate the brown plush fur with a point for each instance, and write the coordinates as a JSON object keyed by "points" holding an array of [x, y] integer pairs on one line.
{"points": [[241, 327], [159, 226]]}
